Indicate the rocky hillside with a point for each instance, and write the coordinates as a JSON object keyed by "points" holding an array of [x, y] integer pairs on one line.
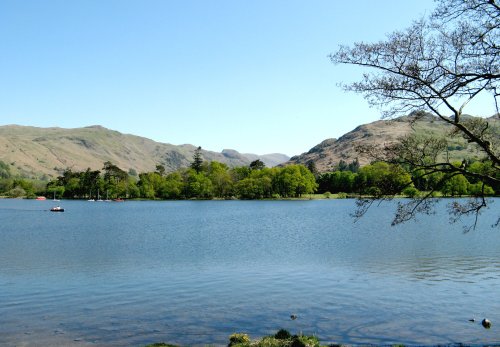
{"points": [[330, 152], [45, 152]]}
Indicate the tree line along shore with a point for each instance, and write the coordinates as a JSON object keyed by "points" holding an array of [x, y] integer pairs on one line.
{"points": [[214, 180]]}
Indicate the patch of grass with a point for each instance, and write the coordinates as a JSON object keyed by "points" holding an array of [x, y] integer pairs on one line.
{"points": [[281, 339]]}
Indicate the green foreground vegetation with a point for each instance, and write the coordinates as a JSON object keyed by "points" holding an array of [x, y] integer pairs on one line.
{"points": [[281, 339], [214, 180]]}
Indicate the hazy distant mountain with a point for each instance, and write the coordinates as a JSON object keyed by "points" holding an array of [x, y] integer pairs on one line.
{"points": [[271, 160], [328, 153], [35, 152]]}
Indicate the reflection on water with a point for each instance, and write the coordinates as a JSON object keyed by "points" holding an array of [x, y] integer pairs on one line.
{"points": [[195, 272]]}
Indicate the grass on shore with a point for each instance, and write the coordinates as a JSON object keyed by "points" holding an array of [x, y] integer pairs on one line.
{"points": [[281, 339]]}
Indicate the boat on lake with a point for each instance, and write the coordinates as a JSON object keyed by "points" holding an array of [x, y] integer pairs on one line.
{"points": [[57, 209], [41, 198], [98, 196]]}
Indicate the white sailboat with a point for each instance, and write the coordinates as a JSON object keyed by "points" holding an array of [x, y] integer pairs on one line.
{"points": [[107, 198], [98, 197]]}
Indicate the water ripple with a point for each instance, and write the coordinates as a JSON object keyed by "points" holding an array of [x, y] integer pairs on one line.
{"points": [[195, 272]]}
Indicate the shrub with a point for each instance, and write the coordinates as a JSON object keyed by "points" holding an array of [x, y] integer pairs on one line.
{"points": [[17, 192], [282, 334], [410, 192], [239, 339], [341, 195]]}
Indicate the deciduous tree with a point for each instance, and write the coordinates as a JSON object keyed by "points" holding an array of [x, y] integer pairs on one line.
{"points": [[436, 67]]}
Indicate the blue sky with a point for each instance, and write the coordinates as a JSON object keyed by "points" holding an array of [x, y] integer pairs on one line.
{"points": [[248, 75]]}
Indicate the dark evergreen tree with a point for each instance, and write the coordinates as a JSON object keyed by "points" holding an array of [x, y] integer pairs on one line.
{"points": [[197, 163], [311, 165], [353, 166], [160, 170], [342, 166], [257, 165]]}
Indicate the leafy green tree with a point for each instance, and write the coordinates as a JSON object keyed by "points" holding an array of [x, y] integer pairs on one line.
{"points": [[4, 170], [478, 189], [410, 192], [172, 186], [337, 181], [386, 178], [89, 183], [6, 184], [55, 190], [17, 192], [264, 178], [198, 186], [72, 188], [252, 188], [23, 185], [115, 180], [248, 188], [257, 185], [128, 189], [457, 185], [294, 180], [239, 173], [219, 175], [150, 184]]}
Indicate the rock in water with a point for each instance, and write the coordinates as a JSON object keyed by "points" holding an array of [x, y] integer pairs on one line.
{"points": [[486, 323]]}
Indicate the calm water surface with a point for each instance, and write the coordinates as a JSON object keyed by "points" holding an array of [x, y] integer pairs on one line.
{"points": [[194, 272]]}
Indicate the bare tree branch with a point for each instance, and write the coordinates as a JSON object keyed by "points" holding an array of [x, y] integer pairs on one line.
{"points": [[436, 66]]}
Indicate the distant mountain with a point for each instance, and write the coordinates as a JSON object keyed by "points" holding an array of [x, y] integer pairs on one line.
{"points": [[45, 152], [330, 152], [270, 160]]}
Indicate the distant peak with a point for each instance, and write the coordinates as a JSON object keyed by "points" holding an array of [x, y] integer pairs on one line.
{"points": [[95, 127], [231, 153]]}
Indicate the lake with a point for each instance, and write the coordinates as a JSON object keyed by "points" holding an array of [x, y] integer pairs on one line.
{"points": [[194, 272]]}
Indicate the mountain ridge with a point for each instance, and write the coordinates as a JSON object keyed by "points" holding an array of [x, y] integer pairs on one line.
{"points": [[45, 152], [38, 152], [328, 153]]}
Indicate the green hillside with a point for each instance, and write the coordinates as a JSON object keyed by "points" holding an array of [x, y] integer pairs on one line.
{"points": [[330, 152], [45, 152]]}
